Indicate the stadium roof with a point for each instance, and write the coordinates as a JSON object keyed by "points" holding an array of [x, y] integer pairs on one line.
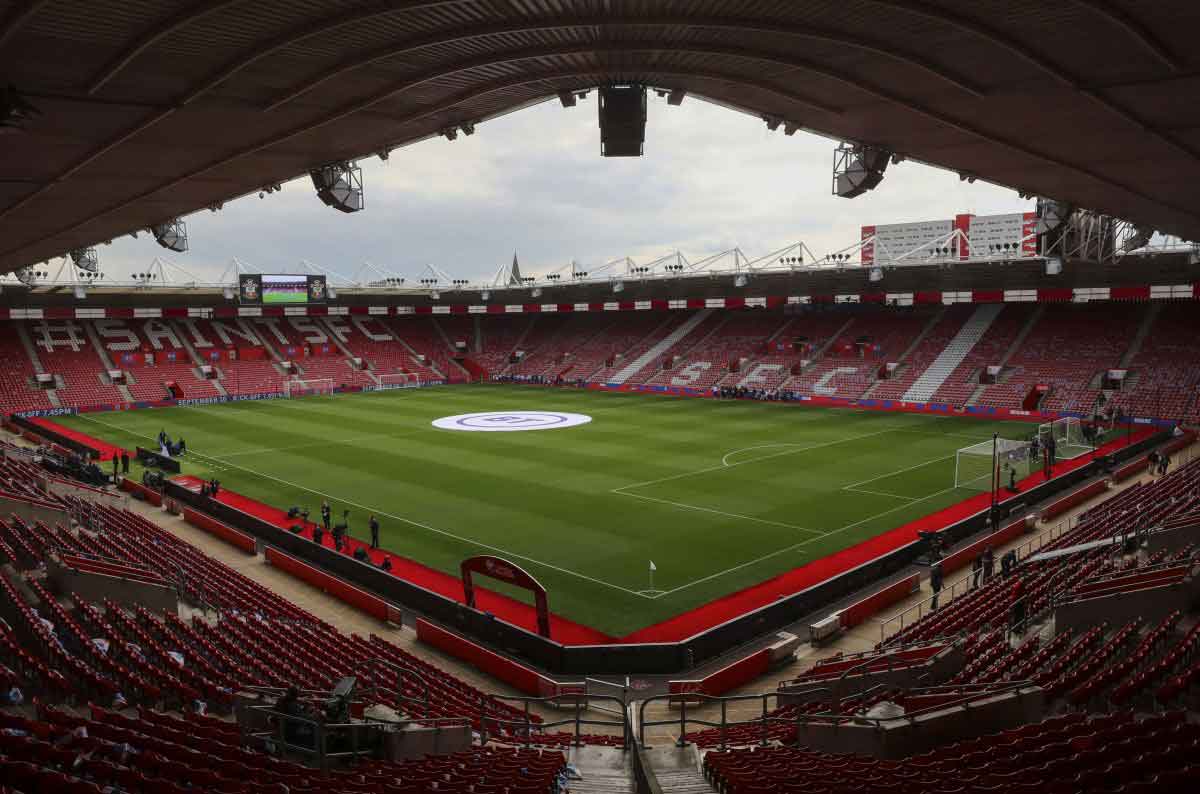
{"points": [[151, 109]]}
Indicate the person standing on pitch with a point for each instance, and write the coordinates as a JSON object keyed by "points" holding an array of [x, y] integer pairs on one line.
{"points": [[373, 524], [325, 514]]}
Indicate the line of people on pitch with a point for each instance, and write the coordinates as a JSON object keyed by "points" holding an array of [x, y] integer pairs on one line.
{"points": [[339, 532]]}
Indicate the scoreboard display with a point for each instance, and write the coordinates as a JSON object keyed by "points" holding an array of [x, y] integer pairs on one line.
{"points": [[289, 289]]}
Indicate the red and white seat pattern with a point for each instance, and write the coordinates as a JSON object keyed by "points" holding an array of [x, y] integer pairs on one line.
{"points": [[152, 353], [375, 342], [1067, 350], [1164, 375], [625, 342], [18, 391], [65, 350], [987, 352], [740, 335], [423, 336], [929, 349]]}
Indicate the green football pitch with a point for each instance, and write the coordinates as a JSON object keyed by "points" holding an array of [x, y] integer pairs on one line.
{"points": [[719, 495]]}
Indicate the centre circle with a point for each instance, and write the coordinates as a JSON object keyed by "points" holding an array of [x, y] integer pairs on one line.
{"points": [[510, 421]]}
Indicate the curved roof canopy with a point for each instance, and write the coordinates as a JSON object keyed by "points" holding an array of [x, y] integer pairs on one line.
{"points": [[151, 109]]}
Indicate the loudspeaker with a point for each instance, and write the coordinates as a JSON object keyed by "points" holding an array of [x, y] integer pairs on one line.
{"points": [[622, 110]]}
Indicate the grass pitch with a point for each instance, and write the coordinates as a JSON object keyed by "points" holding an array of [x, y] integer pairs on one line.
{"points": [[719, 494]]}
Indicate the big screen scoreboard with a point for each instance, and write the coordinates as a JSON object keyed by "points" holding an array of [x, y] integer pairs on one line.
{"points": [[269, 289]]}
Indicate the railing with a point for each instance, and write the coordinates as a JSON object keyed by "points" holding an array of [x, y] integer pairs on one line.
{"points": [[896, 623], [799, 720], [402, 673], [289, 729], [526, 729]]}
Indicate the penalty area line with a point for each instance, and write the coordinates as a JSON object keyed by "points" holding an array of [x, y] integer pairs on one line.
{"points": [[402, 519], [685, 506]]}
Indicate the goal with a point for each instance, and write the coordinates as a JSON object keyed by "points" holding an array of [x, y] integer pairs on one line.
{"points": [[1069, 440], [308, 388], [399, 380], [973, 465]]}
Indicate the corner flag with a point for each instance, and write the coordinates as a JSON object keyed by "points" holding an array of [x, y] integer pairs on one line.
{"points": [[652, 566]]}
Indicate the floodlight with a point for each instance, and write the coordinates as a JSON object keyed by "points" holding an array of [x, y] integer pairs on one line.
{"points": [[339, 185], [537, 292], [86, 259], [171, 235], [485, 295], [676, 97], [858, 168], [434, 295], [80, 292], [739, 280], [618, 286], [567, 99], [876, 274]]}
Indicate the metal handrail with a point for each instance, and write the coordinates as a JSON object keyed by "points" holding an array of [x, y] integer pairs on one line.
{"points": [[580, 701], [947, 595], [321, 734], [801, 719]]}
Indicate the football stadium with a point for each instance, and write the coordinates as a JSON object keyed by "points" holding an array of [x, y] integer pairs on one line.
{"points": [[911, 505]]}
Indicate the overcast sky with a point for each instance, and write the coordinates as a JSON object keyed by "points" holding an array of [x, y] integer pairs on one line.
{"points": [[534, 182]]}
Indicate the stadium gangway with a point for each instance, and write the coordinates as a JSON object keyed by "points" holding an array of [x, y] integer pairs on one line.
{"points": [[526, 729], [622, 688], [824, 718], [402, 673]]}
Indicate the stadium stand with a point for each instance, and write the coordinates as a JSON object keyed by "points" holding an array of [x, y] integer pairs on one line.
{"points": [[151, 353], [846, 348], [370, 339], [1067, 351], [65, 350], [990, 350], [1163, 378]]}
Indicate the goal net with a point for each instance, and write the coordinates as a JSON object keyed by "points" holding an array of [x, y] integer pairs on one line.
{"points": [[973, 465], [1069, 439], [399, 380], [308, 388]]}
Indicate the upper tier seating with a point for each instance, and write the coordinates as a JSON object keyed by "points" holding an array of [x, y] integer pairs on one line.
{"points": [[544, 343], [241, 375], [1067, 350]]}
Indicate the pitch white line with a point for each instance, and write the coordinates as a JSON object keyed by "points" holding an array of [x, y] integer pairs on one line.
{"points": [[723, 465], [686, 506], [879, 493], [401, 519], [894, 473], [802, 543], [728, 455]]}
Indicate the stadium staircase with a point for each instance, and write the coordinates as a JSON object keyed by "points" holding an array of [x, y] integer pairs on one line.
{"points": [[1135, 344], [656, 351], [106, 360], [1034, 318], [929, 381]]}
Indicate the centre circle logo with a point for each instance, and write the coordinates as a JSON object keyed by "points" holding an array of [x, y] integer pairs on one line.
{"points": [[511, 421]]}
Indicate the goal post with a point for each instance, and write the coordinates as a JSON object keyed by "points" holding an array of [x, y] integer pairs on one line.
{"points": [[308, 388], [1069, 439], [973, 465], [399, 380]]}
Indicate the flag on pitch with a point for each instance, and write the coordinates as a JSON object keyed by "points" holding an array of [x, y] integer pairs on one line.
{"points": [[653, 567]]}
